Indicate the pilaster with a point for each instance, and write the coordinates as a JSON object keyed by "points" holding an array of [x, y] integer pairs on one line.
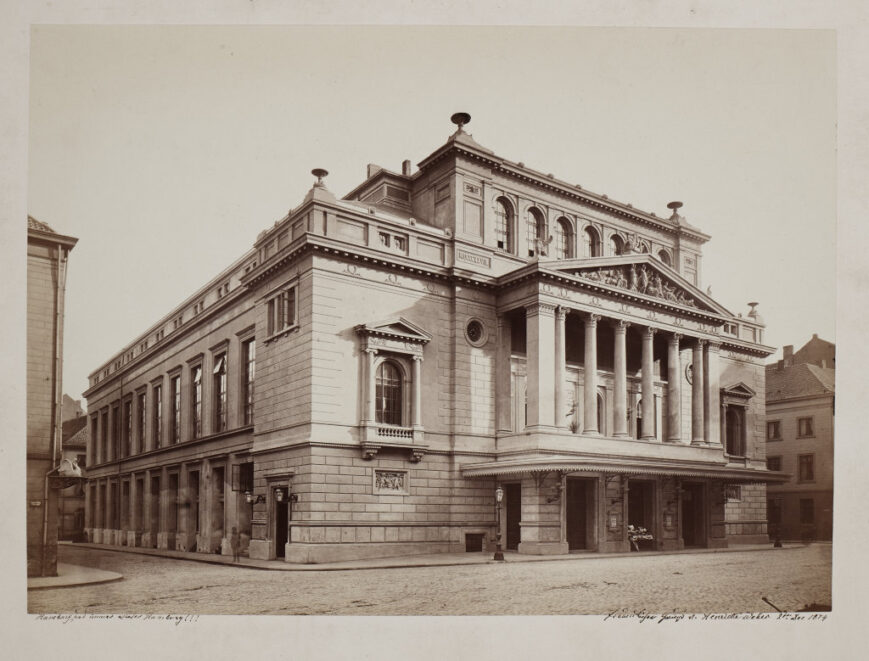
{"points": [[560, 368], [712, 394], [697, 406], [540, 324], [620, 405], [648, 385], [502, 375], [590, 424], [674, 390]]}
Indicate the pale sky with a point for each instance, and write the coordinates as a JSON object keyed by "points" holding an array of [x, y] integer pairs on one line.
{"points": [[166, 150]]}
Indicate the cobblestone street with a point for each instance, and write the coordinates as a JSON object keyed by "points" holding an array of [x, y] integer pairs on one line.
{"points": [[703, 583]]}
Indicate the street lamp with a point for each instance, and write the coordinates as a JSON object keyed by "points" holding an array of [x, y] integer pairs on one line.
{"points": [[499, 496]]}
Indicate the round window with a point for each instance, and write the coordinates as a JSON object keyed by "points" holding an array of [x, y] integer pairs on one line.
{"points": [[475, 332]]}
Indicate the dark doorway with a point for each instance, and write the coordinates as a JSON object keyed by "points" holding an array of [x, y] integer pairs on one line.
{"points": [[513, 506], [577, 514], [154, 514], [693, 533], [641, 510], [281, 527]]}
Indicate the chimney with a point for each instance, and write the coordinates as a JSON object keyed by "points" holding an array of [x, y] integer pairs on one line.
{"points": [[405, 168], [814, 336], [788, 355], [372, 170]]}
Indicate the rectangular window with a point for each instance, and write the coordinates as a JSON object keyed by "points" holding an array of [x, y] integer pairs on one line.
{"points": [[175, 393], [773, 430], [140, 420], [157, 432], [805, 427], [733, 493], [773, 463], [116, 431], [244, 481], [248, 357], [774, 510], [196, 402], [807, 511], [94, 439], [128, 428], [807, 468], [282, 311], [219, 391], [104, 437]]}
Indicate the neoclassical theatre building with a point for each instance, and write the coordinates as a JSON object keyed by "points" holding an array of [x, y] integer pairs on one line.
{"points": [[441, 357]]}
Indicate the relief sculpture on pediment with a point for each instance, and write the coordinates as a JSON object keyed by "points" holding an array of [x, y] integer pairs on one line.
{"points": [[640, 279]]}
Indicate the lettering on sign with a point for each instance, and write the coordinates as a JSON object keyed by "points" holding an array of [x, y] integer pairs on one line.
{"points": [[473, 258]]}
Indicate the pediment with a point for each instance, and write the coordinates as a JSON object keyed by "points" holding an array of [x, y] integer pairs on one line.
{"points": [[644, 275], [397, 328], [739, 390]]}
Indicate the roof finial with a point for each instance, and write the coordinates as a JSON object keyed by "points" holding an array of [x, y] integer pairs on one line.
{"points": [[675, 206], [460, 119], [319, 173]]}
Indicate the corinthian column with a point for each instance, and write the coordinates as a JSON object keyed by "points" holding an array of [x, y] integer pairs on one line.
{"points": [[590, 423], [620, 407], [560, 367], [674, 390], [648, 385], [697, 431]]}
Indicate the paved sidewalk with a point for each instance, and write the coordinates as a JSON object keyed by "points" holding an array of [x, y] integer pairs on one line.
{"points": [[429, 560], [71, 576]]}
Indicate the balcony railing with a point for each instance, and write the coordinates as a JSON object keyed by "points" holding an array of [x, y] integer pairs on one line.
{"points": [[394, 432]]}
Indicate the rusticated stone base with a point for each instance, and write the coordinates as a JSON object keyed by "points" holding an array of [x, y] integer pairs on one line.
{"points": [[544, 548], [165, 540], [340, 552]]}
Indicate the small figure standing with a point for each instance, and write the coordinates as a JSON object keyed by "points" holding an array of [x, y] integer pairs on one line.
{"points": [[234, 543]]}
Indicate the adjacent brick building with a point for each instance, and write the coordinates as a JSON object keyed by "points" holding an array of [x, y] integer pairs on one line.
{"points": [[362, 380], [47, 254], [800, 402]]}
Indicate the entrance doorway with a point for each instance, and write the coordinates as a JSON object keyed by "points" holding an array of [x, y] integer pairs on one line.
{"points": [[281, 527], [641, 509], [513, 499], [693, 529], [154, 514], [577, 514]]}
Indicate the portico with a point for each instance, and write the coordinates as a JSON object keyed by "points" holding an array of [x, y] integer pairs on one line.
{"points": [[616, 401]]}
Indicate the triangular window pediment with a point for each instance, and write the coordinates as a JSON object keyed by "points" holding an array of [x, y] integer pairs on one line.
{"points": [[738, 391], [642, 275], [395, 334]]}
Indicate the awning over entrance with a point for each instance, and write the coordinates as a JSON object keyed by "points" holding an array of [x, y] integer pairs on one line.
{"points": [[733, 474]]}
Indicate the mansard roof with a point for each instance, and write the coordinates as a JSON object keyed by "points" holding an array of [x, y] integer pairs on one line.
{"points": [[397, 328]]}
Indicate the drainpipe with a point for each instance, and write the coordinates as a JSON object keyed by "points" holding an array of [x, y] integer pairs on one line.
{"points": [[56, 409]]}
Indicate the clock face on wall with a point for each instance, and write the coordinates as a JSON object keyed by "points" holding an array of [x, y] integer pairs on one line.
{"points": [[689, 373]]}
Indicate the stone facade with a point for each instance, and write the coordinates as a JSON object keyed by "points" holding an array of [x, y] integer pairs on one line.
{"points": [[418, 343], [47, 254]]}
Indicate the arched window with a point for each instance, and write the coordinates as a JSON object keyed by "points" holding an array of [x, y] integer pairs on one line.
{"points": [[664, 256], [617, 246], [504, 224], [389, 394], [734, 426], [591, 242], [563, 239], [536, 229]]}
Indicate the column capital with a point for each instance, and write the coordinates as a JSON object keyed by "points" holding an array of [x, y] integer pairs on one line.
{"points": [[700, 342], [713, 346], [417, 358], [675, 337], [591, 320], [621, 325], [561, 313], [540, 309], [649, 331], [370, 350]]}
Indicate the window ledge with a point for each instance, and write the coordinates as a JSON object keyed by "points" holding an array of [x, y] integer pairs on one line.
{"points": [[281, 333]]}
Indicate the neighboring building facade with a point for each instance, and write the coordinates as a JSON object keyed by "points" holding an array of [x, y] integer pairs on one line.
{"points": [[70, 505], [360, 381], [800, 406], [47, 254]]}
